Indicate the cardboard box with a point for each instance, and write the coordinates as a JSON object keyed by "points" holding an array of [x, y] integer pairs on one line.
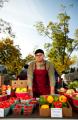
{"points": [[45, 112], [22, 83], [14, 83], [66, 112], [19, 83], [1, 80]]}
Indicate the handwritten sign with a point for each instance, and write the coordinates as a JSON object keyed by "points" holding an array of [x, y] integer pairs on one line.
{"points": [[1, 112], [56, 112]]}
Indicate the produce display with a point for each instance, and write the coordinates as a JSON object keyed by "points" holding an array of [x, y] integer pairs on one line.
{"points": [[70, 92], [72, 95], [54, 106], [53, 101], [22, 103], [62, 90], [21, 90], [73, 85]]}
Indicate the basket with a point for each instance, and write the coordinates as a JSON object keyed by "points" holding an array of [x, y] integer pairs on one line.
{"points": [[75, 102], [25, 101], [27, 110], [6, 111], [21, 95], [17, 109]]}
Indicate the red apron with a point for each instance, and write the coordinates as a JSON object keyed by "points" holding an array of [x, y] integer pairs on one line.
{"points": [[41, 83]]}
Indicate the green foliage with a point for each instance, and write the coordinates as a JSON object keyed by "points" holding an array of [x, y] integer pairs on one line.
{"points": [[10, 56], [61, 47], [6, 29], [73, 85], [29, 58]]}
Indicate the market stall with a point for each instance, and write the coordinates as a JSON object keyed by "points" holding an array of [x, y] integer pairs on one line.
{"points": [[15, 102]]}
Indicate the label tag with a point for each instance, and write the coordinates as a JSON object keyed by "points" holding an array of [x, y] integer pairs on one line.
{"points": [[1, 112], [56, 112]]}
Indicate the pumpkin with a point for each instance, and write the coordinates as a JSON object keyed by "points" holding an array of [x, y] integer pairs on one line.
{"points": [[44, 106], [62, 98], [50, 99]]}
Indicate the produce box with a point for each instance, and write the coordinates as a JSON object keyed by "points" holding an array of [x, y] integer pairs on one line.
{"points": [[44, 112], [47, 112], [54, 106], [14, 83], [19, 83], [22, 83], [67, 111]]}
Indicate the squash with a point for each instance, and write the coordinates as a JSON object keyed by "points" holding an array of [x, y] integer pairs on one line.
{"points": [[44, 106]]}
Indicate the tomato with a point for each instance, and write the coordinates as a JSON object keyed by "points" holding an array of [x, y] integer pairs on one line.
{"points": [[57, 104]]}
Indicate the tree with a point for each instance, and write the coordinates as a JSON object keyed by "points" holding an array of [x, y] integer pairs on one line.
{"points": [[6, 29], [61, 46], [29, 58], [2, 2], [10, 56]]}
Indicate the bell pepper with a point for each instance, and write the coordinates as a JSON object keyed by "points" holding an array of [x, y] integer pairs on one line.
{"points": [[57, 104]]}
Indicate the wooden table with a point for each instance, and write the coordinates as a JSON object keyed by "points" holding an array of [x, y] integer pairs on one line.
{"points": [[35, 114]]}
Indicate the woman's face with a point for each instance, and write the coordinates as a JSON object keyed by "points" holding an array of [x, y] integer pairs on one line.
{"points": [[39, 57]]}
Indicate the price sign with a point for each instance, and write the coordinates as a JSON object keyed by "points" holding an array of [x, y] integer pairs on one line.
{"points": [[1, 112], [56, 112]]}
